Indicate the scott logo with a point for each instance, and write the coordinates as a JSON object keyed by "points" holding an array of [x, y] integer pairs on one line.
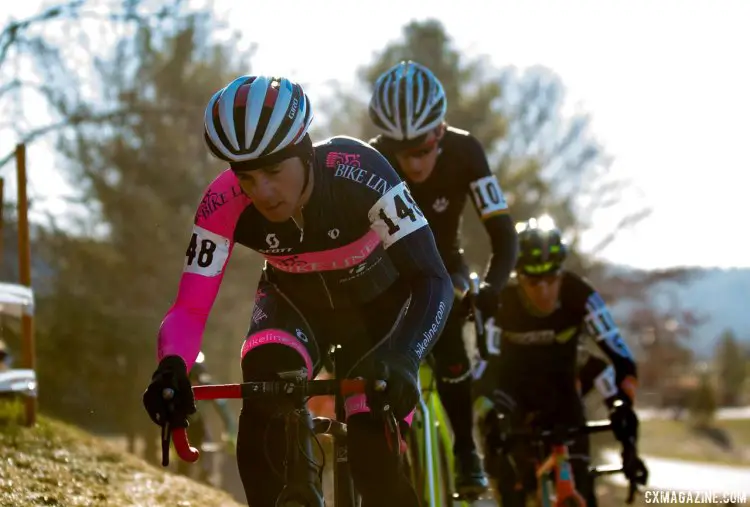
{"points": [[333, 233], [272, 240], [301, 335]]}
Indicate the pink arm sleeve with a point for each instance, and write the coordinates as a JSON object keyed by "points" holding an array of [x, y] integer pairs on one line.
{"points": [[210, 247]]}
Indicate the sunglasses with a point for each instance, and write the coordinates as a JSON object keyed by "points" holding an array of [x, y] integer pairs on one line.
{"points": [[537, 280]]}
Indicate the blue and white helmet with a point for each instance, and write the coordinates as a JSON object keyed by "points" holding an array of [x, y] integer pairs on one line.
{"points": [[408, 102], [255, 117]]}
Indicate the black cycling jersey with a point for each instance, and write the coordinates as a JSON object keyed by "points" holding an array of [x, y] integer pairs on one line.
{"points": [[362, 234], [462, 170], [537, 355]]}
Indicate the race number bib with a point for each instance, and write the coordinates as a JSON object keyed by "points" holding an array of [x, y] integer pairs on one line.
{"points": [[396, 215], [488, 197], [606, 383], [206, 253]]}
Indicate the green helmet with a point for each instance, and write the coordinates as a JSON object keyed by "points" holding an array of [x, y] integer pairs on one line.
{"points": [[541, 249]]}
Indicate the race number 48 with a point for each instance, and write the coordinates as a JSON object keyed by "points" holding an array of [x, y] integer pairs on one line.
{"points": [[202, 253], [206, 253], [396, 215]]}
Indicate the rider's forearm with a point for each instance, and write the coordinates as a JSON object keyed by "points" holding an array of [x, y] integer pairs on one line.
{"points": [[419, 264], [601, 325], [504, 242], [182, 329]]}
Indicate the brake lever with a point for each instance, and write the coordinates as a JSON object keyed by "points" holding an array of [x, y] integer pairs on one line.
{"points": [[477, 317], [166, 431], [166, 435]]}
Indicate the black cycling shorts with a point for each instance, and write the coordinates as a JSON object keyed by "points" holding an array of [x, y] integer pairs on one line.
{"points": [[311, 332]]}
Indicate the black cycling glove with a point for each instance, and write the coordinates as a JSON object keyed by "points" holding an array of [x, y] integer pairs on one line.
{"points": [[624, 422], [401, 393], [487, 301], [170, 374]]}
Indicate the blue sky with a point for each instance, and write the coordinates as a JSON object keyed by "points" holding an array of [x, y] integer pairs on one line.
{"points": [[666, 84]]}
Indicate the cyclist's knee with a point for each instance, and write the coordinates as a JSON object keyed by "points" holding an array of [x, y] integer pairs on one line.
{"points": [[264, 357], [269, 352]]}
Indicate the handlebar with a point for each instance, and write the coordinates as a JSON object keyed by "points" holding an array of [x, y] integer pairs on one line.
{"points": [[555, 435], [552, 435], [250, 390]]}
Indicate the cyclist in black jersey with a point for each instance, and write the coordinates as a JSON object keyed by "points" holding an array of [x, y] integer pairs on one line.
{"points": [[532, 373], [350, 261], [443, 166]]}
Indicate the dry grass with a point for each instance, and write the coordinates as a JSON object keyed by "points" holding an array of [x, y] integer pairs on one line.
{"points": [[678, 440], [54, 464]]}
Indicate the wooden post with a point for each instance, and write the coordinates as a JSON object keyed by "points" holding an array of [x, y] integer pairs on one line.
{"points": [[2, 222], [2, 245], [24, 270]]}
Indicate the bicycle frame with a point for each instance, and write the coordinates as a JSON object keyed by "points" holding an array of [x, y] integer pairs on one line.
{"points": [[558, 463], [432, 436], [556, 483]]}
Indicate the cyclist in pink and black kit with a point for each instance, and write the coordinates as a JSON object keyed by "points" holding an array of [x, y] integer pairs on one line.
{"points": [[350, 260]]}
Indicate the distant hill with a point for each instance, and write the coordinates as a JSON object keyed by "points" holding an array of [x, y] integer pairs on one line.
{"points": [[722, 296]]}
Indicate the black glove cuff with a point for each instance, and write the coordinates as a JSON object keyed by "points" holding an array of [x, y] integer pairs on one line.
{"points": [[173, 364]]}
